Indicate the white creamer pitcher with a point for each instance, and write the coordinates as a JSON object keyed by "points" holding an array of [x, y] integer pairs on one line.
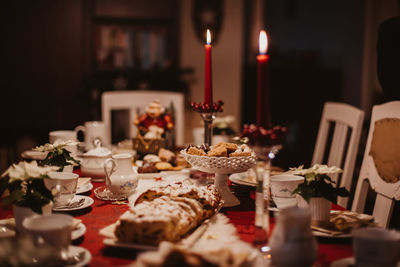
{"points": [[121, 179]]}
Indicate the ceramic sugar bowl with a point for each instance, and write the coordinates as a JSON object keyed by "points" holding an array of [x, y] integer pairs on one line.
{"points": [[93, 162], [121, 179]]}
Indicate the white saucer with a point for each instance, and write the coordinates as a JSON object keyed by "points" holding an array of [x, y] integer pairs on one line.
{"points": [[103, 193], [86, 256], [241, 178], [350, 261], [78, 232], [88, 202], [84, 188], [35, 155]]}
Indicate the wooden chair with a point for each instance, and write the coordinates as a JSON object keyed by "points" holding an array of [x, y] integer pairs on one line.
{"points": [[383, 142], [343, 151], [132, 100]]}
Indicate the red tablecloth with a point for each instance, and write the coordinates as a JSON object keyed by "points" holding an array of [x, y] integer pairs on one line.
{"points": [[103, 213]]}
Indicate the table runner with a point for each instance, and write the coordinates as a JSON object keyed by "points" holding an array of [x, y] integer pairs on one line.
{"points": [[103, 213]]}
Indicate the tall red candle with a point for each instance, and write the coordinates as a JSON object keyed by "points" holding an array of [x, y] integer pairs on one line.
{"points": [[263, 115], [208, 97]]}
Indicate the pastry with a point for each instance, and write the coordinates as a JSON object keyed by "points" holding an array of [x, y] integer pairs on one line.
{"points": [[196, 151], [230, 147], [167, 213], [163, 166], [219, 151], [166, 155], [240, 154]]}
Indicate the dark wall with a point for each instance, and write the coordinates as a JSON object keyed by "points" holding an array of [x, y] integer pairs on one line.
{"points": [[315, 53], [42, 68]]}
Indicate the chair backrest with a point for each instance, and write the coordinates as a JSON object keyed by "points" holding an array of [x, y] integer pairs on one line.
{"points": [[132, 100], [383, 142], [344, 118]]}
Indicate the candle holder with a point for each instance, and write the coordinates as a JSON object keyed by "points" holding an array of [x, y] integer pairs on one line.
{"points": [[208, 120], [207, 113]]}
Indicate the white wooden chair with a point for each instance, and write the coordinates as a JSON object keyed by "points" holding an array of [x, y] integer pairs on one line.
{"points": [[343, 151], [370, 174], [132, 100]]}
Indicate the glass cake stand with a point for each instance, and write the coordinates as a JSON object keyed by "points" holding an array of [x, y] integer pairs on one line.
{"points": [[104, 193], [222, 167]]}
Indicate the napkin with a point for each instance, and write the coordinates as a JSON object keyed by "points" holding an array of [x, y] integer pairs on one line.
{"points": [[83, 181], [341, 222], [219, 245]]}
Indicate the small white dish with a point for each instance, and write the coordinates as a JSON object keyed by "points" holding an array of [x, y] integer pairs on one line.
{"points": [[103, 193], [241, 178], [35, 155], [88, 201], [79, 231], [85, 256], [115, 243], [350, 261], [346, 262], [322, 234], [84, 188]]}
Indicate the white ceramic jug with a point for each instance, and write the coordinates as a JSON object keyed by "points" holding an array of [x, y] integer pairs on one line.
{"points": [[121, 179], [292, 242]]}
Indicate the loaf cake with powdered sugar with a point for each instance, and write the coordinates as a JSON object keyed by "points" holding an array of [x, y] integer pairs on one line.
{"points": [[167, 213]]}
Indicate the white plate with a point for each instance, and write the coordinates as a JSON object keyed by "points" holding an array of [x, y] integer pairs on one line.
{"points": [[84, 188], [88, 202], [7, 227], [241, 178], [114, 243], [32, 154], [346, 262], [86, 256], [162, 174], [78, 231], [322, 234]]}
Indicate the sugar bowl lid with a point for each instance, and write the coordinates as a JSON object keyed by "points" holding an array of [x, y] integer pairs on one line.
{"points": [[98, 151]]}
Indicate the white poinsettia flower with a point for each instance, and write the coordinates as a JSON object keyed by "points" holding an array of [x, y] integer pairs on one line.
{"points": [[46, 147], [24, 170], [316, 169], [57, 145]]}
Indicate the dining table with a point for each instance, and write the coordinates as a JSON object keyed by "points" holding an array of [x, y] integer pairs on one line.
{"points": [[103, 213]]}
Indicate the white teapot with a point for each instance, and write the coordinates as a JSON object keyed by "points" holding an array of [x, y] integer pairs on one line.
{"points": [[121, 179]]}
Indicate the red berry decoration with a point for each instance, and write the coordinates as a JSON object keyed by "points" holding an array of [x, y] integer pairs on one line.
{"points": [[207, 108]]}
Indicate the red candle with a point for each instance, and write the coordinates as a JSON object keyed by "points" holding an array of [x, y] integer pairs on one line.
{"points": [[263, 115], [208, 74]]}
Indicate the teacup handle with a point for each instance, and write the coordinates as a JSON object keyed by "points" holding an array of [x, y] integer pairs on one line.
{"points": [[80, 128], [107, 172]]}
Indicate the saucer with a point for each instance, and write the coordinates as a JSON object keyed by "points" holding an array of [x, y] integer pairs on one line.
{"points": [[35, 155], [84, 188], [85, 258], [78, 231], [104, 194], [87, 203]]}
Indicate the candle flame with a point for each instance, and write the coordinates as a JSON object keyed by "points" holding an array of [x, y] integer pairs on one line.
{"points": [[263, 43], [208, 36]]}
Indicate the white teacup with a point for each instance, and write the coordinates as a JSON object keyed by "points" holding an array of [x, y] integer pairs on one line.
{"points": [[376, 247], [53, 229], [65, 183], [282, 187], [64, 135], [92, 130]]}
